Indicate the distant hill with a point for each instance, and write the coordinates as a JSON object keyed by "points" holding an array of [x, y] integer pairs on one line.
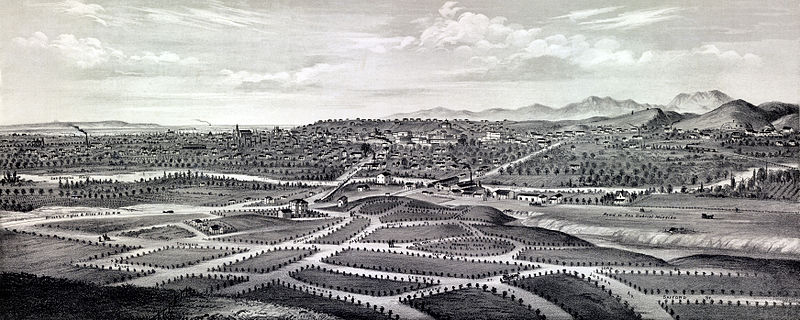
{"points": [[536, 111], [737, 113], [698, 102], [590, 107], [775, 110], [110, 124], [654, 117]]}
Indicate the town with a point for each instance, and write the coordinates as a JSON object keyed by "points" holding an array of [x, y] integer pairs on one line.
{"points": [[407, 218]]}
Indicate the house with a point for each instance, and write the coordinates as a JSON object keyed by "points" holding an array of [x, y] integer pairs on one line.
{"points": [[556, 198], [409, 186], [362, 187], [384, 178], [787, 130], [269, 200], [341, 202], [502, 194], [620, 199], [285, 213], [529, 197], [298, 206]]}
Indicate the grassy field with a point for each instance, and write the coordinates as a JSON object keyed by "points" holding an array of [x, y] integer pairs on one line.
{"points": [[288, 297], [416, 264], [690, 200], [725, 312], [577, 297], [51, 256], [360, 284], [178, 257], [486, 214], [267, 261], [591, 256], [407, 214], [119, 223], [168, 232], [760, 285], [533, 235], [467, 246], [202, 283], [245, 222], [473, 303], [417, 233], [344, 233], [286, 232]]}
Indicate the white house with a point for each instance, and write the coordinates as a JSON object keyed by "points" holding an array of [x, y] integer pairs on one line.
{"points": [[384, 178]]}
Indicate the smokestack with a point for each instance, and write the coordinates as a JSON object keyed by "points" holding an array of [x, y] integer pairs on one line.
{"points": [[85, 134]]}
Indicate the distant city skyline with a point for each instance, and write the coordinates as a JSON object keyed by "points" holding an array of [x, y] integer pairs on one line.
{"points": [[295, 62]]}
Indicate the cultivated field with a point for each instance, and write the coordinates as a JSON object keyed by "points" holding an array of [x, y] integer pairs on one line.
{"points": [[467, 246], [281, 295], [168, 232], [577, 297], [50, 256], [119, 223], [266, 261], [355, 283], [725, 312], [417, 233], [473, 303], [177, 257], [591, 256], [344, 233], [420, 264]]}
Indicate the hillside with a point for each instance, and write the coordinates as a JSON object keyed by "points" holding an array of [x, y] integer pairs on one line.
{"points": [[600, 107], [649, 117], [792, 121], [737, 113], [775, 110], [698, 102]]}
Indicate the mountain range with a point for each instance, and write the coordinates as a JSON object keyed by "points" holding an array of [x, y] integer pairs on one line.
{"points": [[593, 106], [701, 110]]}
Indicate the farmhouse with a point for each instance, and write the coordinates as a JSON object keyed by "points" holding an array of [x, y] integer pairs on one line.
{"points": [[384, 178], [342, 201], [298, 206], [362, 187]]}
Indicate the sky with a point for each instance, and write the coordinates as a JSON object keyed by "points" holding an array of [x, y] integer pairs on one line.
{"points": [[295, 62]]}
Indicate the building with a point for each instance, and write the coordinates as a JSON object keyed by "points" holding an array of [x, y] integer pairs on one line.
{"points": [[556, 198], [384, 178], [362, 187], [409, 186], [342, 201], [269, 200], [285, 213], [502, 194], [298, 206], [529, 197]]}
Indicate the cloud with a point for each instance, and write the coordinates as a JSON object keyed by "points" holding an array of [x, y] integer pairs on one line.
{"points": [[449, 9], [90, 53], [87, 10], [164, 57], [307, 77], [633, 19], [583, 14], [212, 18]]}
